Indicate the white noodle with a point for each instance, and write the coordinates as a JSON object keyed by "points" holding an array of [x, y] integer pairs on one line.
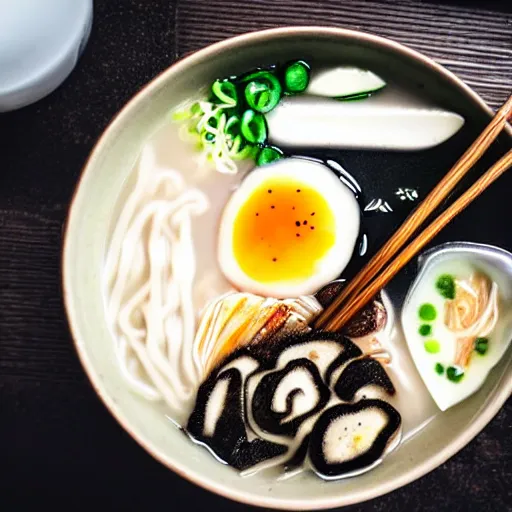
{"points": [[149, 273]]}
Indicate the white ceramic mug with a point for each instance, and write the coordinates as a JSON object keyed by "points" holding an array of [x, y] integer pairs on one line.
{"points": [[40, 42]]}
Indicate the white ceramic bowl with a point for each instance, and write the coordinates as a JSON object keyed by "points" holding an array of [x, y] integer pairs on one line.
{"points": [[87, 232]]}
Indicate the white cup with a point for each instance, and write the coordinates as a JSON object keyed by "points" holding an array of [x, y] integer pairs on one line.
{"points": [[40, 42]]}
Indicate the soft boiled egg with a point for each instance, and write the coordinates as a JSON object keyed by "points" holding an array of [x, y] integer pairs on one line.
{"points": [[289, 229]]}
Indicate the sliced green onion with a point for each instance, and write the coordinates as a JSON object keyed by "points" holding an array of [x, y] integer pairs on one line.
{"points": [[237, 143], [268, 155], [182, 115], [263, 91], [296, 77], [232, 127], [254, 127], [208, 137], [213, 120], [196, 109], [241, 150], [226, 92]]}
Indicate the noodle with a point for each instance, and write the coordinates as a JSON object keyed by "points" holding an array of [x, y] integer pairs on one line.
{"points": [[473, 313], [149, 272]]}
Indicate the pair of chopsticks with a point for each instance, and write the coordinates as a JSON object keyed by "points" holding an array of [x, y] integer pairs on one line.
{"points": [[373, 277]]}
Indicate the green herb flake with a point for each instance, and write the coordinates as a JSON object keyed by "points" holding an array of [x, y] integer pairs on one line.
{"points": [[427, 312], [454, 373], [481, 346], [432, 346], [445, 285], [425, 330], [439, 368]]}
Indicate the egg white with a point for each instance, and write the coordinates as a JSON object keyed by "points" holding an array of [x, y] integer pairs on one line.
{"points": [[340, 200]]}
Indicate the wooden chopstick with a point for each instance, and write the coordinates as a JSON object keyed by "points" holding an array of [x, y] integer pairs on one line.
{"points": [[420, 214], [419, 242]]}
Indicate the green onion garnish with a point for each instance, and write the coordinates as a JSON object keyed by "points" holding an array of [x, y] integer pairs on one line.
{"points": [[296, 77], [226, 92], [213, 120], [263, 91], [445, 285], [207, 137], [427, 312], [254, 127], [454, 373], [268, 155], [439, 368], [432, 346], [232, 127], [425, 330], [481, 345], [244, 150]]}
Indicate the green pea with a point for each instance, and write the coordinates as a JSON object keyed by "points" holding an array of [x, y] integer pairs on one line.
{"points": [[432, 346], [296, 77], [427, 312]]}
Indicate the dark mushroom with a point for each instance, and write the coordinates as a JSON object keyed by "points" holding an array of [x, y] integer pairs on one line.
{"points": [[363, 374], [348, 439], [218, 417]]}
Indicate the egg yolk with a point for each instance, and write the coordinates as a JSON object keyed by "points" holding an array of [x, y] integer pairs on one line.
{"points": [[282, 231]]}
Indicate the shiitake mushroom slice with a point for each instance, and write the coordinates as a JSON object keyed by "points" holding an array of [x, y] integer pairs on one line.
{"points": [[327, 350], [281, 400], [360, 374], [349, 439], [218, 417]]}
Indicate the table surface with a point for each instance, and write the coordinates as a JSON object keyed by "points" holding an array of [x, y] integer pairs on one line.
{"points": [[58, 443]]}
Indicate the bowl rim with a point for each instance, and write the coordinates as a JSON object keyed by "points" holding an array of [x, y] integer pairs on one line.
{"points": [[434, 460]]}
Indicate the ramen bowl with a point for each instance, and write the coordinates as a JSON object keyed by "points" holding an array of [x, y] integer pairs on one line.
{"points": [[89, 227]]}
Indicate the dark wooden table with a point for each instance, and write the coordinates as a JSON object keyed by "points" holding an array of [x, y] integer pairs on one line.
{"points": [[59, 446]]}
